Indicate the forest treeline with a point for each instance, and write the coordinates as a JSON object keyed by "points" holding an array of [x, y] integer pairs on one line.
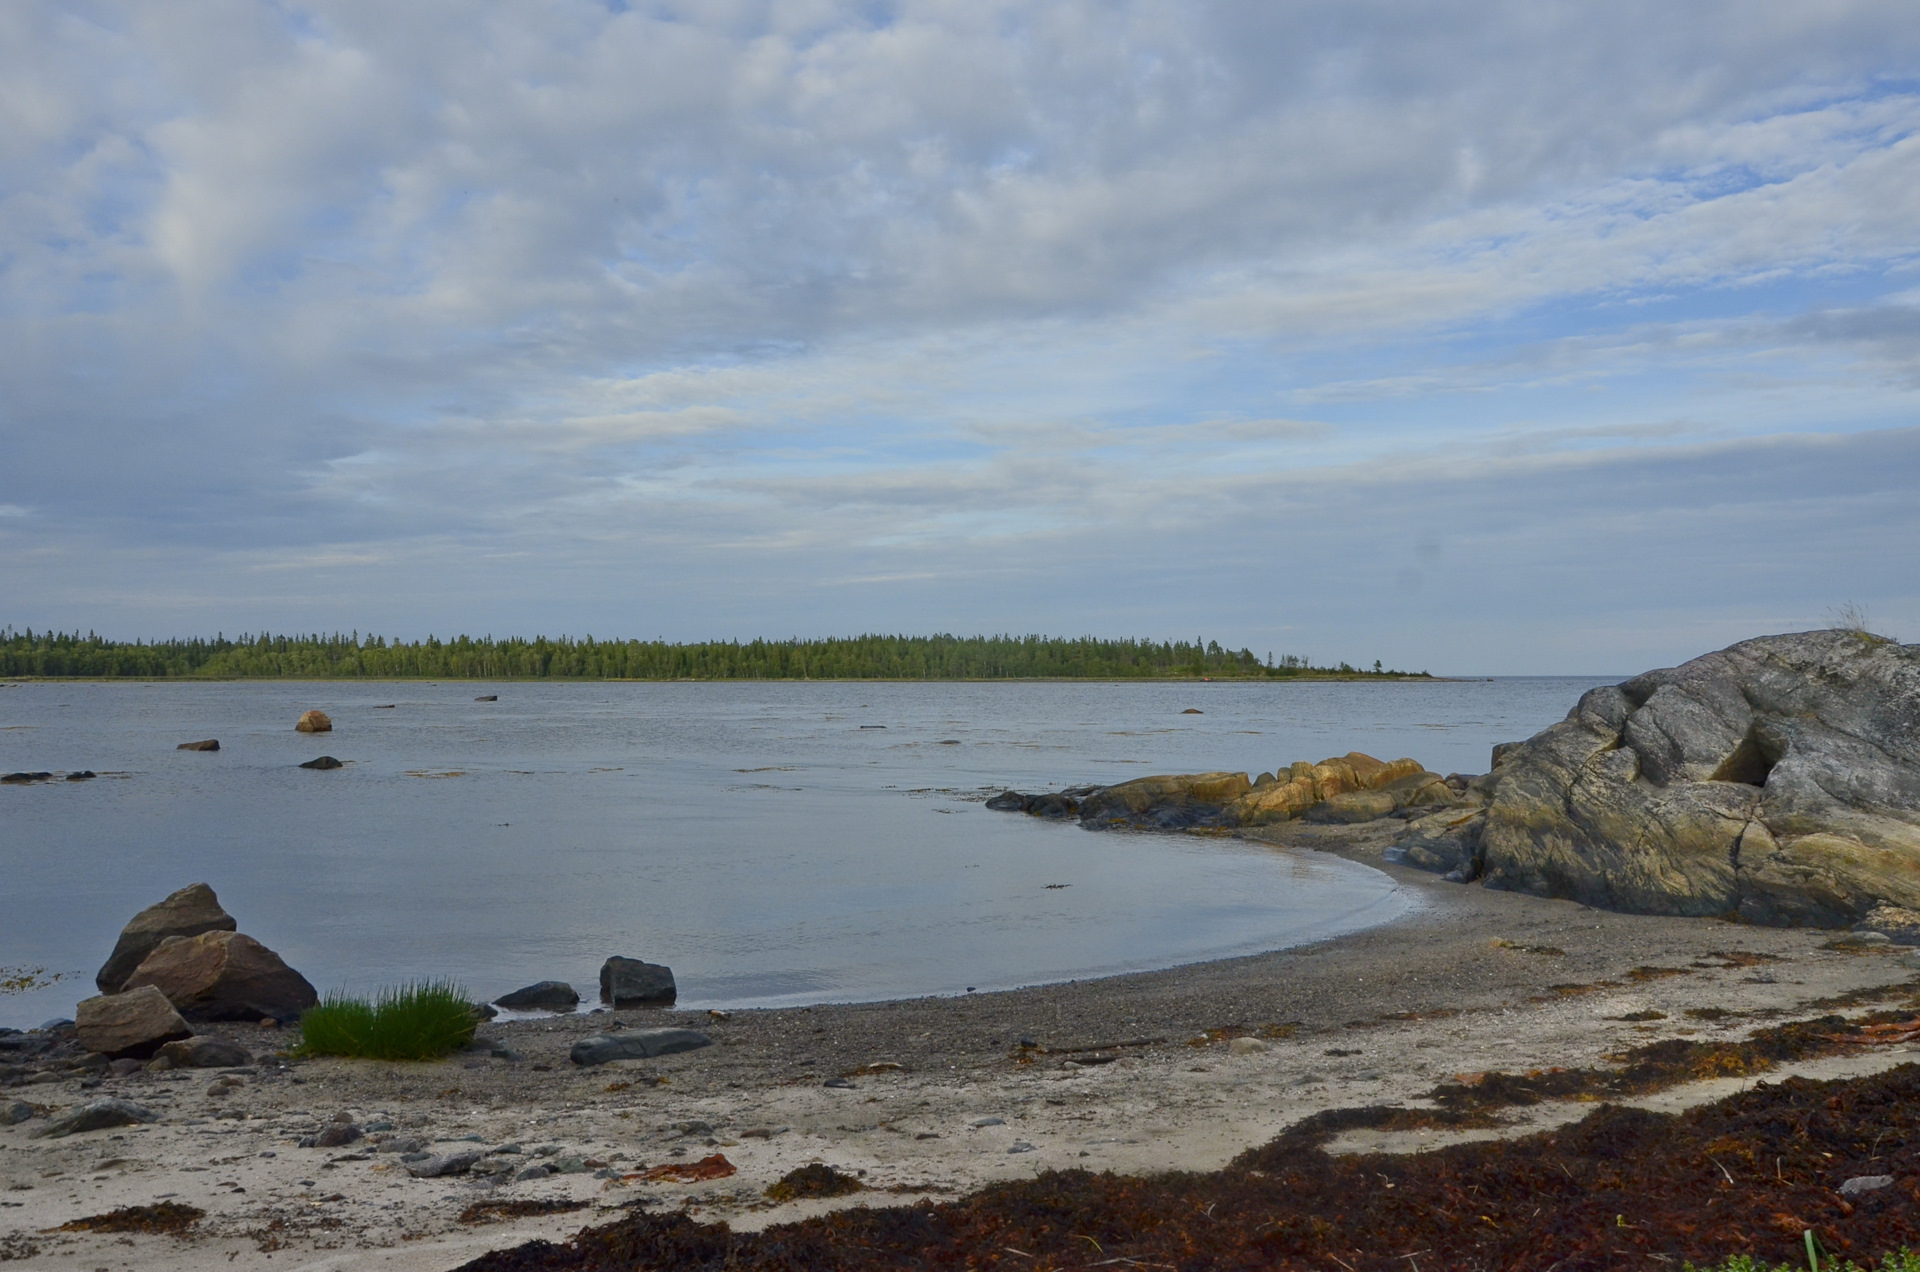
{"points": [[51, 654]]}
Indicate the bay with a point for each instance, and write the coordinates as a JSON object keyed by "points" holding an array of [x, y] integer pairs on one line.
{"points": [[774, 842]]}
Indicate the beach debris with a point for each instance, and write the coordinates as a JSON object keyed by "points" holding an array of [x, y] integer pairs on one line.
{"points": [[815, 1179], [189, 912], [100, 1115], [131, 1025], [496, 1211], [223, 975], [636, 1044], [1865, 1184], [166, 1216], [205, 744], [715, 1166], [715, 1013], [546, 995], [841, 1084], [632, 982]]}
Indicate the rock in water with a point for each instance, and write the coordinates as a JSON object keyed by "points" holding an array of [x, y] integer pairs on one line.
{"points": [[545, 996], [98, 1116], [314, 722], [1778, 779], [323, 762], [629, 982], [210, 744], [189, 912], [134, 1024], [636, 1044], [225, 976]]}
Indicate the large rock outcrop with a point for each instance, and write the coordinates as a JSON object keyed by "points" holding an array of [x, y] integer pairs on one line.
{"points": [[1777, 780], [1347, 788], [225, 976], [189, 912], [135, 1024]]}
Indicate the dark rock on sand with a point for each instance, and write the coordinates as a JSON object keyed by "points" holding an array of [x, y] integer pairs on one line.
{"points": [[447, 1164], [100, 1115], [135, 1024], [636, 1044], [631, 982], [338, 1135], [323, 762], [225, 976], [210, 744], [189, 912], [545, 996], [205, 1053], [16, 1112], [1777, 779]]}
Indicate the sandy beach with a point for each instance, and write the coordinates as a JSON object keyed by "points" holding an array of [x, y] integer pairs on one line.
{"points": [[933, 1097]]}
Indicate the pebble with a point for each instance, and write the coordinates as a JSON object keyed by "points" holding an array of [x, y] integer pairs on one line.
{"points": [[979, 1122], [1021, 1146], [1865, 1184], [1246, 1047]]}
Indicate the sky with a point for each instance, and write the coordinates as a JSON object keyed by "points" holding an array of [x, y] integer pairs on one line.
{"points": [[1491, 338]]}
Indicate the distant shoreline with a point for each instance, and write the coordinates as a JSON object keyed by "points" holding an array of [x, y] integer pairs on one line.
{"points": [[1326, 678]]}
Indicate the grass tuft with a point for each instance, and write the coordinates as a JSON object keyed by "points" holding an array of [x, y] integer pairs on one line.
{"points": [[420, 1021]]}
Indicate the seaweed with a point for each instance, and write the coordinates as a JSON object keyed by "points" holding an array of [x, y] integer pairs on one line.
{"points": [[498, 1211], [165, 1216], [1750, 1175], [816, 1179]]}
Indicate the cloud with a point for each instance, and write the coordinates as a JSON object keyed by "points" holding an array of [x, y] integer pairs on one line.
{"points": [[369, 292]]}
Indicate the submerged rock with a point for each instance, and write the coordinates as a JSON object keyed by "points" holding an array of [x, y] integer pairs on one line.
{"points": [[225, 976], [189, 912], [323, 762], [1777, 780], [208, 744]]}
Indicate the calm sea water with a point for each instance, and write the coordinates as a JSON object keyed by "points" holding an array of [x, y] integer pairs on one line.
{"points": [[772, 842]]}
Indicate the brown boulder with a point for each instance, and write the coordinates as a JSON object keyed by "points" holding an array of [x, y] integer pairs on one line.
{"points": [[136, 1023], [225, 976], [189, 912], [208, 744], [314, 722]]}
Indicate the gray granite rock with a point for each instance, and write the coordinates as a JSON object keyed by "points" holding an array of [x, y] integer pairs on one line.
{"points": [[636, 1044], [100, 1115], [543, 996], [632, 982]]}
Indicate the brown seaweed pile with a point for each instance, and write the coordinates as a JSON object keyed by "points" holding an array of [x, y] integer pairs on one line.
{"points": [[1622, 1188], [166, 1216]]}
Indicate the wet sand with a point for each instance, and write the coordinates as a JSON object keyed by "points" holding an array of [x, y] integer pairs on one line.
{"points": [[1131, 1074]]}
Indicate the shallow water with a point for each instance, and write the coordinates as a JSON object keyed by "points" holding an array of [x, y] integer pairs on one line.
{"points": [[769, 841]]}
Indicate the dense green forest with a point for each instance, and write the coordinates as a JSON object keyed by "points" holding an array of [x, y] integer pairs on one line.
{"points": [[30, 653]]}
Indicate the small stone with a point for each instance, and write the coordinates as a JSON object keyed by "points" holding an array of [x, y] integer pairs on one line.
{"points": [[126, 1067], [979, 1122], [449, 1164], [314, 722], [488, 697], [539, 1170], [1865, 1184], [98, 1116], [338, 1135], [204, 1052], [1246, 1047], [839, 1084], [1021, 1146]]}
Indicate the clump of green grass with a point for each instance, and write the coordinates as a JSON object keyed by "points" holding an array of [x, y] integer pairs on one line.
{"points": [[420, 1021], [1902, 1260]]}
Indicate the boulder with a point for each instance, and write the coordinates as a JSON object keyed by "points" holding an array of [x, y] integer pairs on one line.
{"points": [[636, 1044], [1777, 780], [189, 912], [100, 1115], [323, 762], [629, 982], [210, 744], [133, 1024], [17, 1111], [314, 722], [225, 976], [447, 1164], [544, 996], [205, 1053]]}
